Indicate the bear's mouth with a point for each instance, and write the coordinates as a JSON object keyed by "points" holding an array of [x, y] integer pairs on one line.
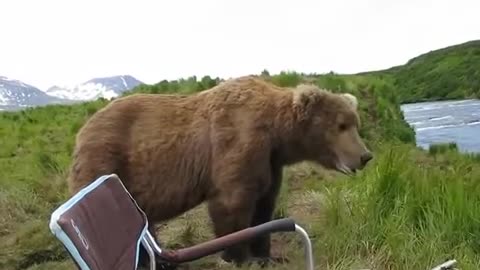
{"points": [[345, 169]]}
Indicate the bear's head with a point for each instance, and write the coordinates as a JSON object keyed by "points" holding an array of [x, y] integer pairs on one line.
{"points": [[329, 129]]}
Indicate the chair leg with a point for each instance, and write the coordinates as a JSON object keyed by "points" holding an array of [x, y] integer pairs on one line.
{"points": [[150, 252]]}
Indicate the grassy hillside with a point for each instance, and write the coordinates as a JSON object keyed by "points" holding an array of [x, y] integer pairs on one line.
{"points": [[407, 210], [448, 73]]}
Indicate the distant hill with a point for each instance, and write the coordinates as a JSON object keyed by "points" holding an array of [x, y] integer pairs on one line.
{"points": [[105, 87], [449, 73], [15, 94]]}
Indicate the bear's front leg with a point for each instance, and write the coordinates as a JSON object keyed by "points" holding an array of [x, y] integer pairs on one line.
{"points": [[265, 206], [260, 247], [230, 212]]}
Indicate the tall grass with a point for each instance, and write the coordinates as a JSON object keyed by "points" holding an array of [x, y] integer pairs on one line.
{"points": [[403, 214], [35, 148]]}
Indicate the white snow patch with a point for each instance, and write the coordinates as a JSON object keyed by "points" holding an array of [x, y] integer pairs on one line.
{"points": [[124, 82], [88, 91], [3, 100]]}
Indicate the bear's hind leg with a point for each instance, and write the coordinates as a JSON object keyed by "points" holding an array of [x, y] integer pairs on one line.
{"points": [[231, 212]]}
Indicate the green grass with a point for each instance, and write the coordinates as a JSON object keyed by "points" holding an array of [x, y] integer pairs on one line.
{"points": [[405, 213], [407, 210]]}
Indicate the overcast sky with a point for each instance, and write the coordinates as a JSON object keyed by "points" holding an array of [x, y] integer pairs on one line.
{"points": [[66, 42]]}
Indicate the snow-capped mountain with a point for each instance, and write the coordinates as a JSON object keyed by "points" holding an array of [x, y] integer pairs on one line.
{"points": [[15, 94], [106, 87]]}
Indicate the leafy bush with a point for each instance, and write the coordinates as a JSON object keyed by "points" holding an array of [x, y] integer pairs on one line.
{"points": [[435, 149]]}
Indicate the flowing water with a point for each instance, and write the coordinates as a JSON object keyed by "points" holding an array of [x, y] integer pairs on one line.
{"points": [[446, 121]]}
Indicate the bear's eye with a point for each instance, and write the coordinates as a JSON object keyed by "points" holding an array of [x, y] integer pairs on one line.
{"points": [[342, 127]]}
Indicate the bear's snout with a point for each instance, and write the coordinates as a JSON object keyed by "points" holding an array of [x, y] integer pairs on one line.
{"points": [[366, 157]]}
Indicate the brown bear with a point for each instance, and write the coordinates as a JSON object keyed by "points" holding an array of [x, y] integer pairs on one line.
{"points": [[226, 146]]}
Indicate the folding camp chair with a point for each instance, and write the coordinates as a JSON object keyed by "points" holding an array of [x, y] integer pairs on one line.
{"points": [[102, 227]]}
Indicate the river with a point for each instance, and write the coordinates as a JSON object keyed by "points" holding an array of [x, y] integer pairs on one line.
{"points": [[446, 121]]}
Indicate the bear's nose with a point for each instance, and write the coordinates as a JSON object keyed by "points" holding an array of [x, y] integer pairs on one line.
{"points": [[365, 158]]}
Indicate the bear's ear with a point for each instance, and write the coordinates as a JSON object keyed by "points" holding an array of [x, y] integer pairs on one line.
{"points": [[304, 94], [304, 99], [352, 100]]}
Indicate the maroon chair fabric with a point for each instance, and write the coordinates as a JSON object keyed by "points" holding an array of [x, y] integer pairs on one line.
{"points": [[101, 226]]}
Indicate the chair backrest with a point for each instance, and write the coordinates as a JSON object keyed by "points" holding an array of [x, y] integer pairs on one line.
{"points": [[101, 226]]}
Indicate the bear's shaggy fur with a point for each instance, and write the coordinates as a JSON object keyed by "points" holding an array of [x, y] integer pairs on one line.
{"points": [[226, 146]]}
